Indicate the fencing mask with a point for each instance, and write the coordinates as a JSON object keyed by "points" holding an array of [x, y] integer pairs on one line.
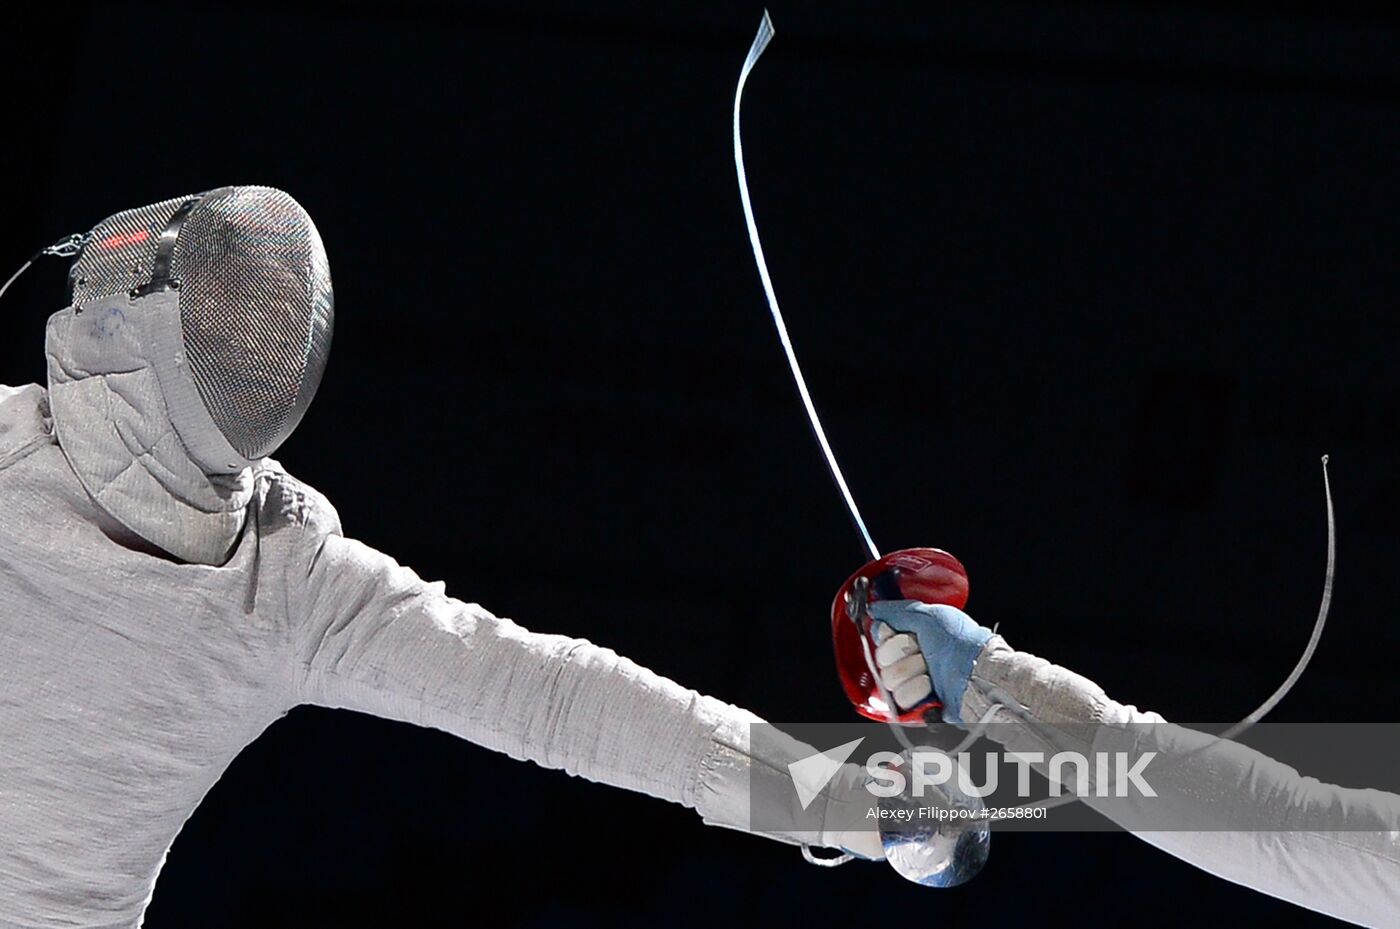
{"points": [[196, 337]]}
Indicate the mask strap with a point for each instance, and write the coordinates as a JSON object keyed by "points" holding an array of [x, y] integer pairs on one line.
{"points": [[165, 249]]}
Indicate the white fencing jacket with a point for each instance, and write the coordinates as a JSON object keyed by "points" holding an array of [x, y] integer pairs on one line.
{"points": [[130, 681], [1329, 848]]}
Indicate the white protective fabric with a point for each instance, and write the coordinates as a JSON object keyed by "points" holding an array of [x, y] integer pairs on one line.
{"points": [[129, 682], [1351, 871], [117, 422]]}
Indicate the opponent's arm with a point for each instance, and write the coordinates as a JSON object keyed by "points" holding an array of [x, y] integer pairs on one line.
{"points": [[1329, 848]]}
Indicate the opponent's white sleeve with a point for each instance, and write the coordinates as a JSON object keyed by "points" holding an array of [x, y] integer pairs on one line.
{"points": [[376, 638], [1349, 869]]}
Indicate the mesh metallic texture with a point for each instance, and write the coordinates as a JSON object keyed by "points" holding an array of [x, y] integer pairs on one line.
{"points": [[257, 312], [120, 253]]}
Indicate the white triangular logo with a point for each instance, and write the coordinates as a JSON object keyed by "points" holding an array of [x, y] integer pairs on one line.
{"points": [[811, 775]]}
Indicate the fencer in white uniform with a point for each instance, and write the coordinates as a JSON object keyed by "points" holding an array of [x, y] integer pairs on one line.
{"points": [[167, 591]]}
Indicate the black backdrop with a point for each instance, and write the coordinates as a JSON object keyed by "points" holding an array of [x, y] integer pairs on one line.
{"points": [[1084, 291]]}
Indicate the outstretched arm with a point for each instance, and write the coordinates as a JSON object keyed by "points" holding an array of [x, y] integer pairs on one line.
{"points": [[1328, 848], [372, 636]]}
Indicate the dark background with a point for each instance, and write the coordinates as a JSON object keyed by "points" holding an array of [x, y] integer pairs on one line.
{"points": [[1084, 291]]}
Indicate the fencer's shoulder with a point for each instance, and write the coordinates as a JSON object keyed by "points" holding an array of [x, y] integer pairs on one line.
{"points": [[29, 403], [8, 393], [285, 500], [24, 418]]}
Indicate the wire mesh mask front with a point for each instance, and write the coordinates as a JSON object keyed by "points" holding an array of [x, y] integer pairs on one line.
{"points": [[256, 305], [257, 312]]}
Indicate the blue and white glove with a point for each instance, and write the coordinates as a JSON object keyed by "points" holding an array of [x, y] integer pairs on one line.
{"points": [[926, 648]]}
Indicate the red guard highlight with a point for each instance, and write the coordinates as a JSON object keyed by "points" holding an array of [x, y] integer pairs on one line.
{"points": [[930, 575]]}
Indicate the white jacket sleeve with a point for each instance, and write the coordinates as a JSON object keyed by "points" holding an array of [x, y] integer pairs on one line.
{"points": [[1331, 849], [374, 637]]}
